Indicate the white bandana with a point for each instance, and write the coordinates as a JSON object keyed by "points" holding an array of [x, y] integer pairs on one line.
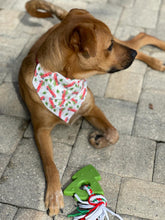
{"points": [[62, 96]]}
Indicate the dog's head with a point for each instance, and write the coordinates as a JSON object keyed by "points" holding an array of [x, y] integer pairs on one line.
{"points": [[90, 47]]}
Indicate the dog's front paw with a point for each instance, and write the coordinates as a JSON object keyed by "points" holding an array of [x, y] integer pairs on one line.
{"points": [[99, 140], [54, 201]]}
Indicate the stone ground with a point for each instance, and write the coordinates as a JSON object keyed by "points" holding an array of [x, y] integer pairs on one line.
{"points": [[133, 171]]}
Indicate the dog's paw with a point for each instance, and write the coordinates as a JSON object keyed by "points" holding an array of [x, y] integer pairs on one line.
{"points": [[158, 65], [161, 66], [99, 140], [54, 201]]}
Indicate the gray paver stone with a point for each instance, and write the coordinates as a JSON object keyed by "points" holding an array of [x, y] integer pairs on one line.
{"points": [[128, 217], [120, 113], [106, 13], [19, 5], [125, 86], [12, 45], [6, 4], [97, 84], [7, 212], [35, 26], [24, 182], [92, 1], [150, 118], [4, 160], [31, 214], [154, 80], [11, 102], [125, 3], [15, 64], [59, 217], [148, 4], [129, 157], [12, 72], [9, 19], [3, 72], [160, 28], [159, 32], [125, 32], [142, 199], [159, 171], [68, 5], [8, 56], [140, 17], [11, 131]]}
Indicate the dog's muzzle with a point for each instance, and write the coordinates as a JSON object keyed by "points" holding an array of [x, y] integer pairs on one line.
{"points": [[128, 62]]}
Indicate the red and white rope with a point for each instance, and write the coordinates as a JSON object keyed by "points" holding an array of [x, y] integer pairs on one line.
{"points": [[97, 205]]}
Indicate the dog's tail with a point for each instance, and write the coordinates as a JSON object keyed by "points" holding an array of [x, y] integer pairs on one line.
{"points": [[43, 9]]}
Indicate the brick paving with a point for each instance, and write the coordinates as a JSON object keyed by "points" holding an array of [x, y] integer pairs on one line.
{"points": [[133, 170]]}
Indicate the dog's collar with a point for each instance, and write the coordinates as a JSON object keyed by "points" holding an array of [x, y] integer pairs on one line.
{"points": [[62, 96]]}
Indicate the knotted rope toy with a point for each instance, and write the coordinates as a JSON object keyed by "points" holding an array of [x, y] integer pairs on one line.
{"points": [[92, 204]]}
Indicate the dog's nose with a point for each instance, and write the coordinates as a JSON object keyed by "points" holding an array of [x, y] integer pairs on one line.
{"points": [[133, 53]]}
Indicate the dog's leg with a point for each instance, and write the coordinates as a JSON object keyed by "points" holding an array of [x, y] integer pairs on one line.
{"points": [[54, 197], [141, 40], [107, 134], [153, 62]]}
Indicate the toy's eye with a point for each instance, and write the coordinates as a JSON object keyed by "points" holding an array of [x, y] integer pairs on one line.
{"points": [[111, 46]]}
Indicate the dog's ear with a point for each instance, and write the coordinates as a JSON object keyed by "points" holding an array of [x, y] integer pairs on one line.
{"points": [[83, 39]]}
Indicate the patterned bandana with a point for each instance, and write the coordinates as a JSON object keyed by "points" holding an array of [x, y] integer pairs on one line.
{"points": [[62, 96]]}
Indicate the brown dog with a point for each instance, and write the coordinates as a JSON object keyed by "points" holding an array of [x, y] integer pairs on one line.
{"points": [[77, 48]]}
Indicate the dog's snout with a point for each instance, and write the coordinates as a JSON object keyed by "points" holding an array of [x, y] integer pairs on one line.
{"points": [[133, 53]]}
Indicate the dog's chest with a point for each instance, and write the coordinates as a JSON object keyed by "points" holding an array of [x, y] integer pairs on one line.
{"points": [[60, 95]]}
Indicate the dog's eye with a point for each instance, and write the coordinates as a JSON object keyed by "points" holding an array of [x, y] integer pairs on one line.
{"points": [[111, 46]]}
